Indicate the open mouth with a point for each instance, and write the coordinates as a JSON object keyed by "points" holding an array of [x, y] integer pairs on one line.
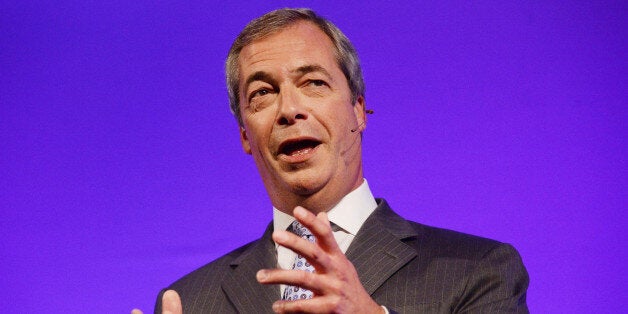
{"points": [[298, 147]]}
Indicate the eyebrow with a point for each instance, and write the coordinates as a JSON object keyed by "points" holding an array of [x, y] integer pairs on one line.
{"points": [[259, 76], [302, 70]]}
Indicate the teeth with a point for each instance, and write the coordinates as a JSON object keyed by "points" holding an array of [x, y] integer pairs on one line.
{"points": [[298, 148], [299, 152]]}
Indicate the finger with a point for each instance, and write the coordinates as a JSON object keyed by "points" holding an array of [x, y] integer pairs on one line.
{"points": [[171, 303], [319, 226], [312, 252], [136, 311], [314, 305], [304, 279]]}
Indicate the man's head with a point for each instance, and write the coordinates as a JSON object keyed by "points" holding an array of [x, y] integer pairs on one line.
{"points": [[297, 109], [275, 21]]}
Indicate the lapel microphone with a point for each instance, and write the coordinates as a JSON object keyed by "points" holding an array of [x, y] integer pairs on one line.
{"points": [[368, 111]]}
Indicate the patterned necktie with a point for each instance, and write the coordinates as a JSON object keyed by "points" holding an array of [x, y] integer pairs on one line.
{"points": [[300, 263]]}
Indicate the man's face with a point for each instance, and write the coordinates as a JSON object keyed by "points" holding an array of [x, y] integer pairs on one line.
{"points": [[298, 116]]}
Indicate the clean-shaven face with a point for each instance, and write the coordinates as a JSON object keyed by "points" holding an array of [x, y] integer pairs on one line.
{"points": [[298, 116]]}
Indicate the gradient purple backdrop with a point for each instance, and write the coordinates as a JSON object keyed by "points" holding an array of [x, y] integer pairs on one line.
{"points": [[121, 168]]}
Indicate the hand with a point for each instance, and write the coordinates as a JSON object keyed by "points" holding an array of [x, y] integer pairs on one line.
{"points": [[170, 304], [335, 284]]}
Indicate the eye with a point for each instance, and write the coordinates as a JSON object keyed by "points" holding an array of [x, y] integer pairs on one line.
{"points": [[317, 82], [259, 93]]}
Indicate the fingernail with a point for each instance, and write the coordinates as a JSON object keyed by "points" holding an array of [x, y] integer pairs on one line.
{"points": [[262, 275], [276, 307]]}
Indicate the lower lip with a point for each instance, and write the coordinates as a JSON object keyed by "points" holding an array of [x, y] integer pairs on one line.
{"points": [[300, 156]]}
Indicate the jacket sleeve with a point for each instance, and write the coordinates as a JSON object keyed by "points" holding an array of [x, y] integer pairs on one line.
{"points": [[498, 284]]}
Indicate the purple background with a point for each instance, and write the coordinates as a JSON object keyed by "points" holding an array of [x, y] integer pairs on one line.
{"points": [[121, 168]]}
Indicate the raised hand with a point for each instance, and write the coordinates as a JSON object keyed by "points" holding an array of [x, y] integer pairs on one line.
{"points": [[170, 304], [335, 283]]}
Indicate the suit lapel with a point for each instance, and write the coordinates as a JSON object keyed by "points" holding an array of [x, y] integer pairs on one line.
{"points": [[240, 285], [377, 251]]}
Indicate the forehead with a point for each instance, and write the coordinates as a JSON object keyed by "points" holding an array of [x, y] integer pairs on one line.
{"points": [[300, 44]]}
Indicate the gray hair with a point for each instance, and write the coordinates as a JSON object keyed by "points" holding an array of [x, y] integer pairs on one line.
{"points": [[275, 21]]}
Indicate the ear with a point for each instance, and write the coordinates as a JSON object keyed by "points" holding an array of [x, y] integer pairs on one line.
{"points": [[359, 109], [244, 139]]}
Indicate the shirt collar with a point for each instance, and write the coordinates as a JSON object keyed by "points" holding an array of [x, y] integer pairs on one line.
{"points": [[349, 214]]}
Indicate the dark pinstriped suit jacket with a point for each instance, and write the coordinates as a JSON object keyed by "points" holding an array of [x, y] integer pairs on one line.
{"points": [[406, 266]]}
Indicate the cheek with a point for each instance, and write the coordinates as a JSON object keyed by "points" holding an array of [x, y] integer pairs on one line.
{"points": [[259, 125], [258, 139], [254, 142], [343, 120]]}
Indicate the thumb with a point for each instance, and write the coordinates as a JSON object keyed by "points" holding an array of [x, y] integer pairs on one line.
{"points": [[171, 303]]}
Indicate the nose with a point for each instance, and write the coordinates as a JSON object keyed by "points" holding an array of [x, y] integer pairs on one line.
{"points": [[291, 107]]}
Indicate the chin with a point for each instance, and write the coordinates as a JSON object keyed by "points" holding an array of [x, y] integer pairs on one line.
{"points": [[305, 185]]}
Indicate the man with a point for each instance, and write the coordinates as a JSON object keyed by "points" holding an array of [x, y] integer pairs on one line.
{"points": [[296, 89]]}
